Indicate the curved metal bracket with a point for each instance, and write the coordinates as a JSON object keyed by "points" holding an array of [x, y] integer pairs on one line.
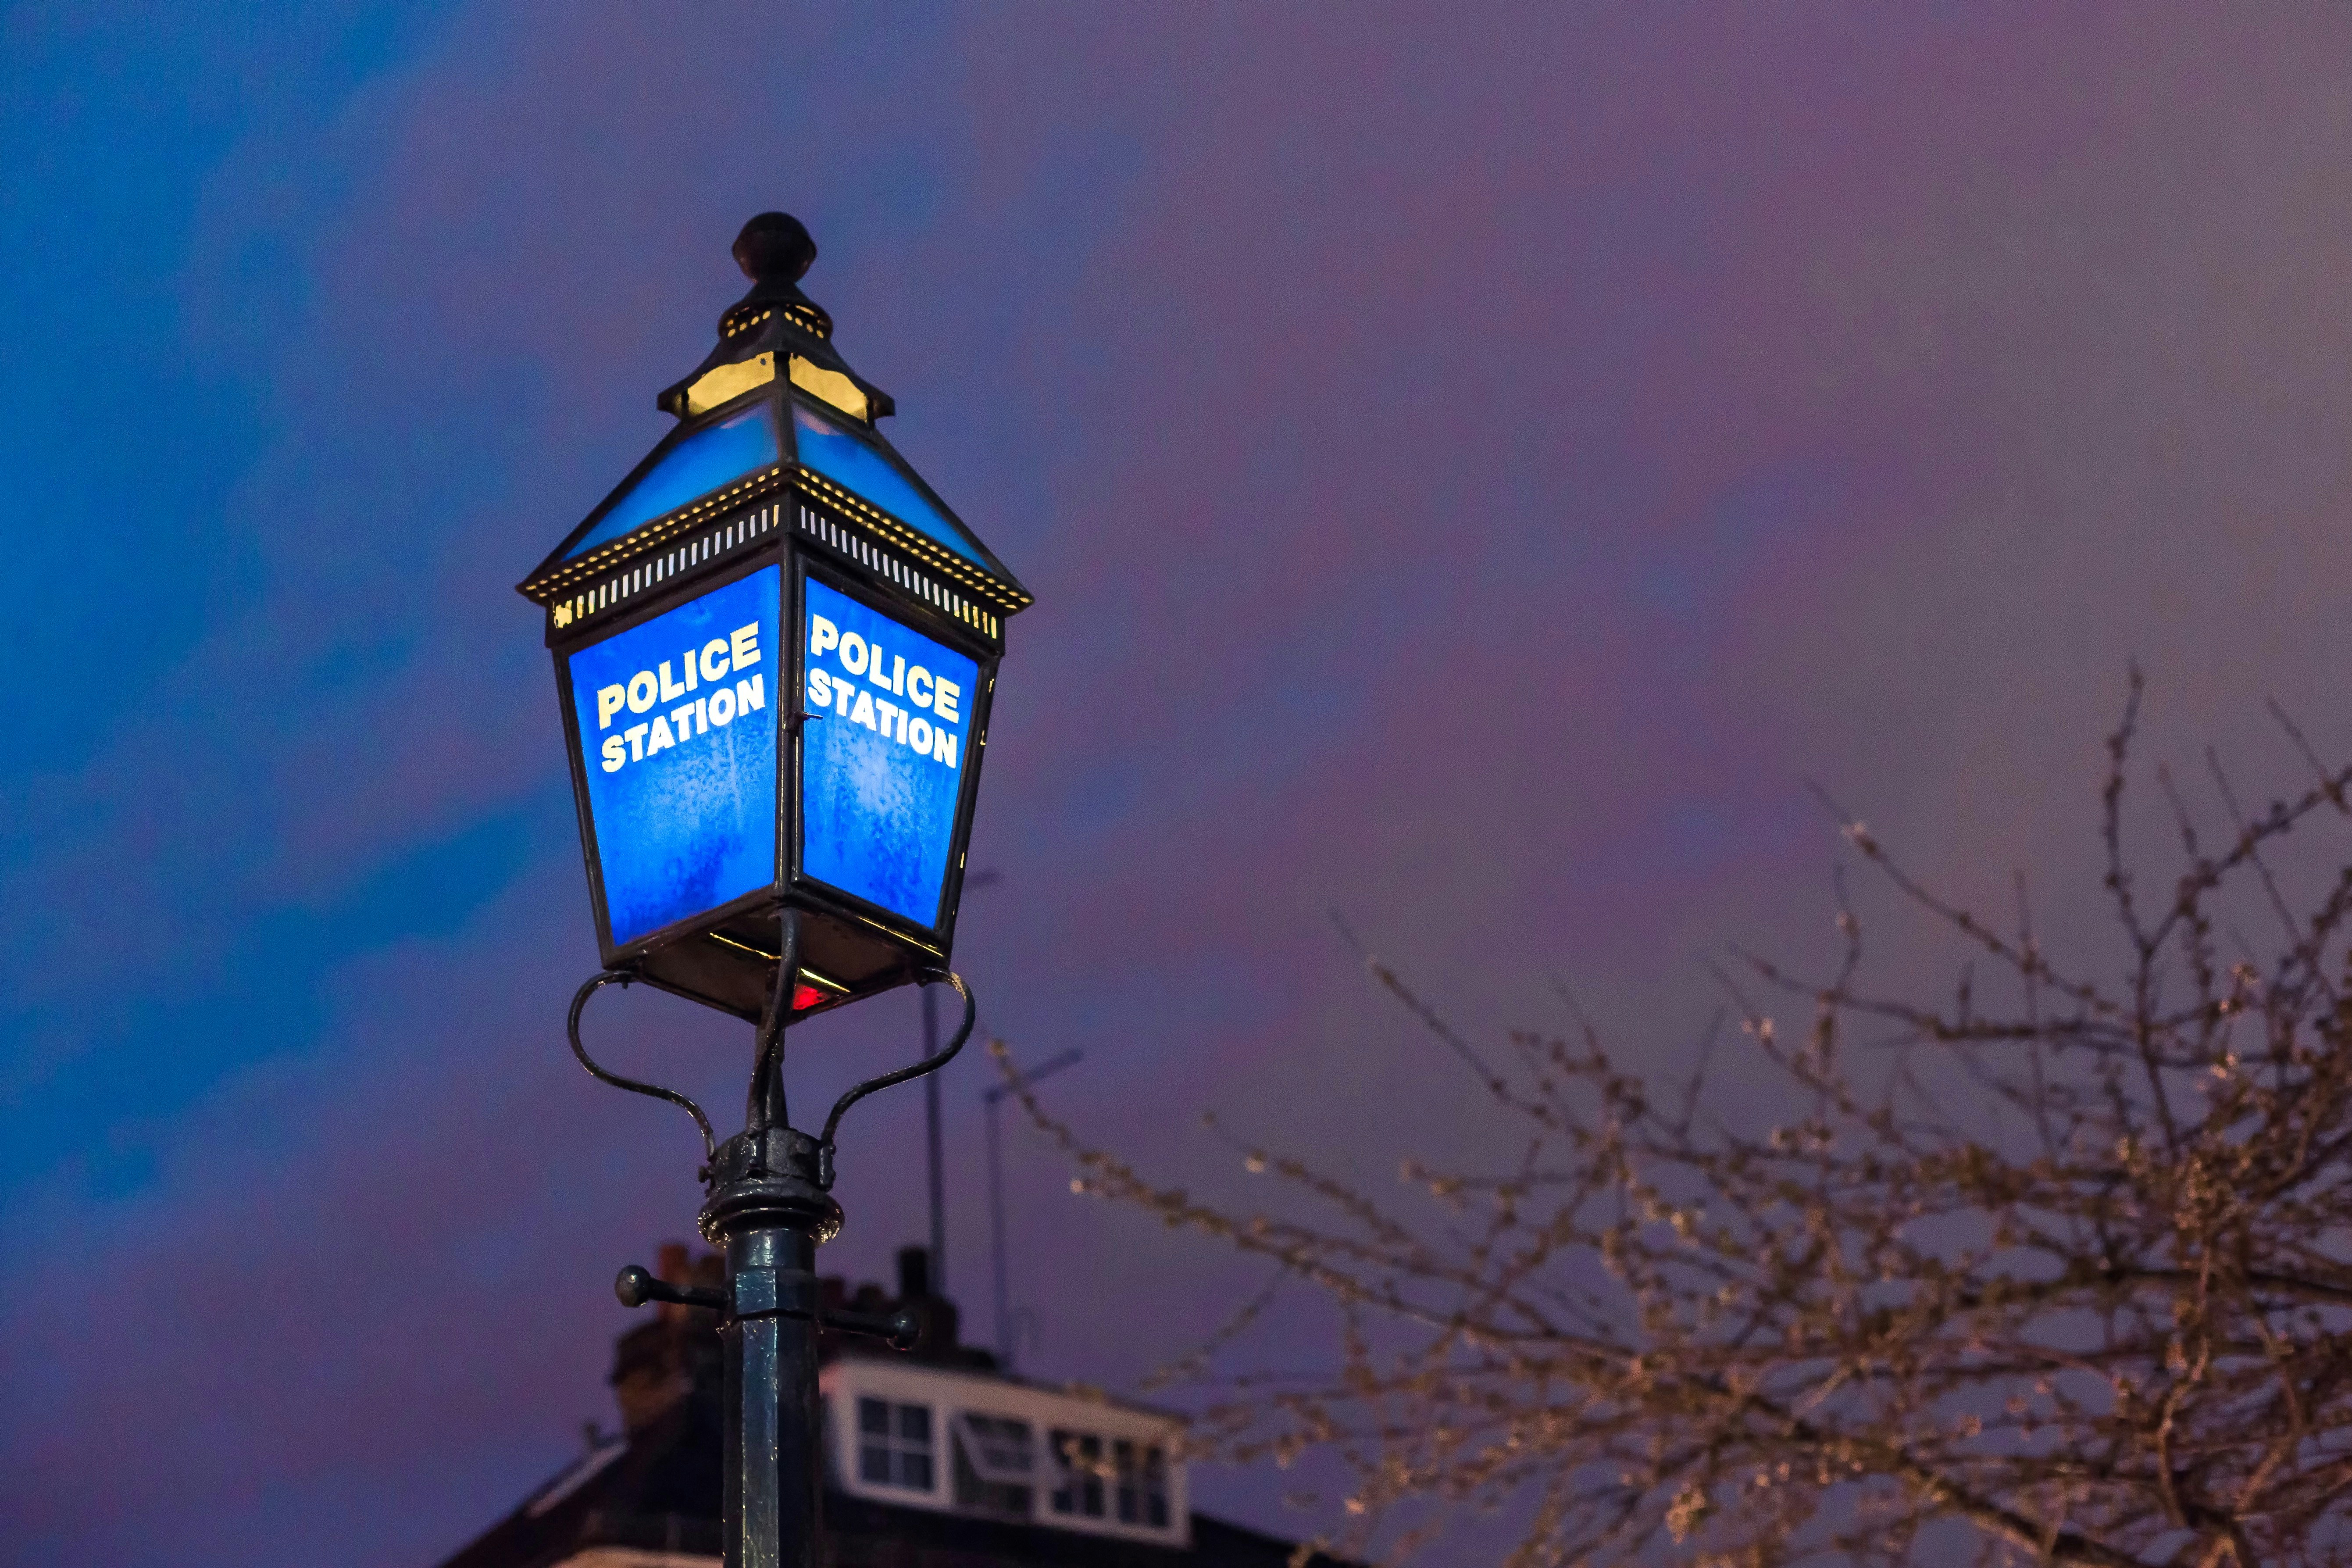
{"points": [[621, 977], [928, 1065]]}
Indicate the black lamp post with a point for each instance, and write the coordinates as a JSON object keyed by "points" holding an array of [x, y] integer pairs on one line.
{"points": [[773, 826]]}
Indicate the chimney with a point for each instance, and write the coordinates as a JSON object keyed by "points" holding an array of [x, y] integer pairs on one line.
{"points": [[913, 1274], [663, 1360]]}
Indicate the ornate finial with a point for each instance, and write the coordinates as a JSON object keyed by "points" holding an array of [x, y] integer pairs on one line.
{"points": [[774, 249], [773, 332]]}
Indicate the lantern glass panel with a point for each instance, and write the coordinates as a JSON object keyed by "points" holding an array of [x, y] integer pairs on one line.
{"points": [[856, 467], [882, 764], [712, 457], [677, 734]]}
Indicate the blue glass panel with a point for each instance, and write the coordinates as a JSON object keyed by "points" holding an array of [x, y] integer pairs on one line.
{"points": [[883, 755], [696, 466], [678, 723], [855, 465]]}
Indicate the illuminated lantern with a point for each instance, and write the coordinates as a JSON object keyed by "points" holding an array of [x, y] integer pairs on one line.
{"points": [[776, 647]]}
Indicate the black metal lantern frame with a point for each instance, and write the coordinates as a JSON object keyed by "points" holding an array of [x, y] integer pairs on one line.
{"points": [[828, 510]]}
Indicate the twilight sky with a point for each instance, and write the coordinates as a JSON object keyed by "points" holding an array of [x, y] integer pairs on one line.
{"points": [[1474, 464]]}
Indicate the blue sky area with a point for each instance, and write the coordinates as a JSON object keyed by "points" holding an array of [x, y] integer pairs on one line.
{"points": [[1472, 467]]}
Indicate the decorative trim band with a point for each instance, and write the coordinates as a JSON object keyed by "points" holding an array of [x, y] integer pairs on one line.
{"points": [[651, 535], [938, 557], [747, 529], [947, 601], [619, 590], [736, 323]]}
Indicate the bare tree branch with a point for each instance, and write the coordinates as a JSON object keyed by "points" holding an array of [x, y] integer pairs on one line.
{"points": [[2057, 1269]]}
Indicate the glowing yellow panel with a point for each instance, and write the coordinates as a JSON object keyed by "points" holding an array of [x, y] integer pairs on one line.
{"points": [[830, 385], [731, 380]]}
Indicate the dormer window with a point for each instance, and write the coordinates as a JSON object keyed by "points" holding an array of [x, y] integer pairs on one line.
{"points": [[894, 1445]]}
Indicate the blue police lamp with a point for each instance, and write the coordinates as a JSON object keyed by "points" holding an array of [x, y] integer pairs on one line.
{"points": [[776, 647]]}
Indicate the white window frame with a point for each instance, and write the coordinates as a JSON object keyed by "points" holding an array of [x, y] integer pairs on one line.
{"points": [[893, 1444]]}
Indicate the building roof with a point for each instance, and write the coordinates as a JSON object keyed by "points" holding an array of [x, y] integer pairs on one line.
{"points": [[655, 1487]]}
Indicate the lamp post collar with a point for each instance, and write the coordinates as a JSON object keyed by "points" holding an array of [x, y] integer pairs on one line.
{"points": [[766, 1179]]}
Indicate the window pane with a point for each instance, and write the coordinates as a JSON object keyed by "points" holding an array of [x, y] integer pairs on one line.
{"points": [[1090, 1484], [1155, 1489], [874, 1416], [1066, 1492], [915, 1423], [997, 1446], [874, 1465], [701, 463], [992, 1460], [856, 467], [915, 1470]]}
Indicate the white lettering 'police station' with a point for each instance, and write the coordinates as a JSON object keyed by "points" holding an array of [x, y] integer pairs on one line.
{"points": [[707, 666], [889, 673]]}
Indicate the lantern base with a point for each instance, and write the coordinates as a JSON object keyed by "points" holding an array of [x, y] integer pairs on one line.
{"points": [[732, 966]]}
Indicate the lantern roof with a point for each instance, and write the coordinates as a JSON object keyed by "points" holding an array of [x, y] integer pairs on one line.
{"points": [[773, 403]]}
